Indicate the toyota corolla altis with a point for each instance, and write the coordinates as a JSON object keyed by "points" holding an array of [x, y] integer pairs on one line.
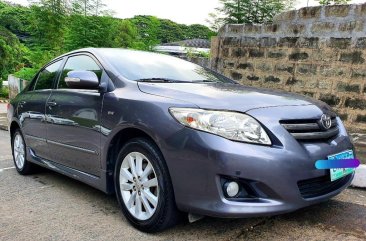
{"points": [[171, 137]]}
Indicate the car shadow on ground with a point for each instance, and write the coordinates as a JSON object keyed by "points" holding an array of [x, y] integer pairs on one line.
{"points": [[334, 215]]}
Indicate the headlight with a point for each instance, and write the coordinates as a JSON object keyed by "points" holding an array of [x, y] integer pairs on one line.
{"points": [[230, 125]]}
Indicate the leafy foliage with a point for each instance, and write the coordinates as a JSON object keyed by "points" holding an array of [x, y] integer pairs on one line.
{"points": [[333, 2], [247, 11], [89, 31], [32, 36], [87, 28], [47, 23], [4, 92], [147, 30], [126, 35], [89, 7], [11, 52], [26, 73], [14, 18], [198, 31], [152, 31]]}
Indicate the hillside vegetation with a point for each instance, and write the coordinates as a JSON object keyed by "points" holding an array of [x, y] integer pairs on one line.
{"points": [[31, 36]]}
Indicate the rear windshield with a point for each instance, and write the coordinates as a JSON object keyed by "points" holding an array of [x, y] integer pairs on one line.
{"points": [[139, 65]]}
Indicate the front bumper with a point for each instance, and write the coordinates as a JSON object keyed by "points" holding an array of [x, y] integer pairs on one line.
{"points": [[197, 161]]}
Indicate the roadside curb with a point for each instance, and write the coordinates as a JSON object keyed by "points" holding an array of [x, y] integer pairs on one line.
{"points": [[4, 101], [3, 127], [360, 177]]}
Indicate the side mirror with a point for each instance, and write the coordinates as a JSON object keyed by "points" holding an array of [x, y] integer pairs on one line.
{"points": [[82, 80]]}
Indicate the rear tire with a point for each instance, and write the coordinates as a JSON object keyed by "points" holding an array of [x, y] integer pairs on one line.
{"points": [[19, 151], [143, 187]]}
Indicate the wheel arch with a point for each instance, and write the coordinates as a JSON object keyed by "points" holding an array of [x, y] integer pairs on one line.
{"points": [[13, 127], [115, 144]]}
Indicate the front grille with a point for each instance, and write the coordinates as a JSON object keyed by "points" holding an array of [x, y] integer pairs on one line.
{"points": [[310, 129], [319, 186]]}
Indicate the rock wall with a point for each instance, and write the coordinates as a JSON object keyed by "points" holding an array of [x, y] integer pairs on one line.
{"points": [[205, 62], [315, 51]]}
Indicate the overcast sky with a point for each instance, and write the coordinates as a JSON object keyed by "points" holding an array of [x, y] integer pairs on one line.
{"points": [[186, 11]]}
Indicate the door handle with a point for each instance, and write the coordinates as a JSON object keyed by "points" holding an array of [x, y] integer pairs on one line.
{"points": [[51, 104], [22, 103]]}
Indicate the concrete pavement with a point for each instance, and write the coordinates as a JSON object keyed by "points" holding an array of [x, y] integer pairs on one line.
{"points": [[3, 118], [49, 206], [3, 107]]}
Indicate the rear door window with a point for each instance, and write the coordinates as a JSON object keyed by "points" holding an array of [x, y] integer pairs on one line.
{"points": [[47, 76]]}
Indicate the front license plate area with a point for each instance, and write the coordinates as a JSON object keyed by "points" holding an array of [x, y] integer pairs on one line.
{"points": [[338, 173]]}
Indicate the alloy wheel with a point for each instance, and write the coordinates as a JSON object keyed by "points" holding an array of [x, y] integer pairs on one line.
{"points": [[139, 186], [19, 151]]}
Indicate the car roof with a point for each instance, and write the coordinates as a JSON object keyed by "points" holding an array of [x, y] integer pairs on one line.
{"points": [[99, 51]]}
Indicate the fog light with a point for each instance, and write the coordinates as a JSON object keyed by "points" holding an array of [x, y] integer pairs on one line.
{"points": [[231, 189]]}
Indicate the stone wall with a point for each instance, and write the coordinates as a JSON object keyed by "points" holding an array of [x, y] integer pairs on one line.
{"points": [[315, 51], [205, 62]]}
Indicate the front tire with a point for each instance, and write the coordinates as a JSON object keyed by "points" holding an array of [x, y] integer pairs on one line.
{"points": [[19, 148], [143, 187]]}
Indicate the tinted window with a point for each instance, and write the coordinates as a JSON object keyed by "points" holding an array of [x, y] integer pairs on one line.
{"points": [[79, 63], [46, 77], [137, 65]]}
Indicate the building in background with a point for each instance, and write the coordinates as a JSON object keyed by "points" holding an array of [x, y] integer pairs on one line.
{"points": [[183, 48]]}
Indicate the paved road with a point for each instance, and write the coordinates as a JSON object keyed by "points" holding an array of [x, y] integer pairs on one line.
{"points": [[3, 118], [48, 206], [3, 107]]}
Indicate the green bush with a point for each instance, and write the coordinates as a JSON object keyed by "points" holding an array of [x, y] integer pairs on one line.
{"points": [[26, 73], [4, 92], [192, 54], [11, 52]]}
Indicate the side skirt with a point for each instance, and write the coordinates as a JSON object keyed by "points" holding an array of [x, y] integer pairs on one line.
{"points": [[91, 180]]}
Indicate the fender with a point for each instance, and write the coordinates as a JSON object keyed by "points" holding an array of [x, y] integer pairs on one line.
{"points": [[118, 129]]}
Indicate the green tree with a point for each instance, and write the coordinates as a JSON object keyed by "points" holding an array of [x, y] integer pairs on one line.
{"points": [[32, 61], [198, 31], [48, 22], [148, 31], [15, 18], [90, 8], [125, 35], [88, 26], [90, 31], [15, 53], [248, 11], [152, 31], [215, 21], [11, 53], [32, 35], [169, 31], [333, 2]]}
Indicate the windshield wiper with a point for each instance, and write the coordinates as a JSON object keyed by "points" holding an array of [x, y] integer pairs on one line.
{"points": [[206, 81], [162, 80], [216, 82]]}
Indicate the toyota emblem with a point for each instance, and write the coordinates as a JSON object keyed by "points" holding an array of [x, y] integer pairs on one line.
{"points": [[326, 121]]}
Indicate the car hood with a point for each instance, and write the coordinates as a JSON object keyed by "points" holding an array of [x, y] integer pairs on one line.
{"points": [[227, 96]]}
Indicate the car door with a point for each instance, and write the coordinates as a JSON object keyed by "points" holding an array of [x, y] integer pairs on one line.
{"points": [[74, 119], [31, 109]]}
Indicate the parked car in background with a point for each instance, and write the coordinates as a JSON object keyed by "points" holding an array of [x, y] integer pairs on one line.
{"points": [[171, 137]]}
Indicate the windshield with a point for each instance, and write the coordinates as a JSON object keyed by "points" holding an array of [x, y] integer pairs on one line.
{"points": [[146, 66]]}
